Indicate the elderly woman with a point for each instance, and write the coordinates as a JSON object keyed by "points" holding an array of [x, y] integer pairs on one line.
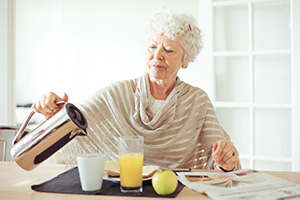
{"points": [[177, 120]]}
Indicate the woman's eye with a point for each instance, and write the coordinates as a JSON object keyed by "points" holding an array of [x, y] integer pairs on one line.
{"points": [[169, 50]]}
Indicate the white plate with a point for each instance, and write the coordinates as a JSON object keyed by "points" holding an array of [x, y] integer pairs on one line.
{"points": [[117, 179]]}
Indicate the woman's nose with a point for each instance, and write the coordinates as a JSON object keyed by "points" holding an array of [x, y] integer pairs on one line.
{"points": [[158, 53]]}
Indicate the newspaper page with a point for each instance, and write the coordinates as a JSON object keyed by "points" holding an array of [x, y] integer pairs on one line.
{"points": [[242, 184]]}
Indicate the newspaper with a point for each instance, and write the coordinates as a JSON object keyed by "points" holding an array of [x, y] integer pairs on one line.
{"points": [[243, 184]]}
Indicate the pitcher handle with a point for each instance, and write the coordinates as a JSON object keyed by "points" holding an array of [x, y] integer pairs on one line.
{"points": [[21, 130]]}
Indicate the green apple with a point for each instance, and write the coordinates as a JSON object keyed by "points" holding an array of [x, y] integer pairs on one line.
{"points": [[164, 182]]}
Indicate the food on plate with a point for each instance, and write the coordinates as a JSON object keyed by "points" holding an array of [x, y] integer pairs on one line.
{"points": [[149, 170], [112, 169]]}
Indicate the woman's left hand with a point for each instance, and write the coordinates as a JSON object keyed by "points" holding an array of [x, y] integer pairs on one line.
{"points": [[225, 155]]}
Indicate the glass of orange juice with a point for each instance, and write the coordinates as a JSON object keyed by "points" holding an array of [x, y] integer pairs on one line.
{"points": [[131, 158]]}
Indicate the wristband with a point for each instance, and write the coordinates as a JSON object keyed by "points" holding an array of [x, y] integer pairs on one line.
{"points": [[224, 170]]}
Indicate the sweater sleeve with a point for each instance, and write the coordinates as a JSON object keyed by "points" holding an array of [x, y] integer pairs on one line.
{"points": [[211, 133]]}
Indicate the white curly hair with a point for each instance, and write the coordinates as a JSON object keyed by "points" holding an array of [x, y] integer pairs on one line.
{"points": [[175, 24]]}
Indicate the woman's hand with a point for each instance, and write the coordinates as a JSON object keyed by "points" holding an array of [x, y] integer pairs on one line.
{"points": [[47, 104], [225, 155]]}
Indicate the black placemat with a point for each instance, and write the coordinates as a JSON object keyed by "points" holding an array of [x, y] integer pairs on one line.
{"points": [[69, 182]]}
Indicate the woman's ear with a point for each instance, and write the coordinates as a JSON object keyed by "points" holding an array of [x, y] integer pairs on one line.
{"points": [[185, 64]]}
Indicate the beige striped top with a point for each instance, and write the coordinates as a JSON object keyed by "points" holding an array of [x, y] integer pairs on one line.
{"points": [[180, 134]]}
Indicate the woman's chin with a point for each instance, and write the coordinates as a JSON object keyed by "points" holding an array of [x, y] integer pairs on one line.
{"points": [[155, 75]]}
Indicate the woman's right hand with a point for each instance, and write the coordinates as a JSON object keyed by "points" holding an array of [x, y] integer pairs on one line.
{"points": [[47, 104]]}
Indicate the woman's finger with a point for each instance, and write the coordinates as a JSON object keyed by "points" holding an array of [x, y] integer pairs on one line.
{"points": [[47, 104]]}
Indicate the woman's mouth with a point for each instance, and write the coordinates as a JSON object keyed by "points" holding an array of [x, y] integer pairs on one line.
{"points": [[158, 66]]}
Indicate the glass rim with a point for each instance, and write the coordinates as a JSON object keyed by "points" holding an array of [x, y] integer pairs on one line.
{"points": [[91, 155]]}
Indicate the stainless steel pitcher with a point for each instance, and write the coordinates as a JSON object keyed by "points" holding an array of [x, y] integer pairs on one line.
{"points": [[32, 149]]}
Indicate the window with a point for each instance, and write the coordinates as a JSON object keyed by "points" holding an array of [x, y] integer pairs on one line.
{"points": [[254, 81]]}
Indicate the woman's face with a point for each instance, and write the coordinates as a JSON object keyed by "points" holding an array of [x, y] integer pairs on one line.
{"points": [[164, 57]]}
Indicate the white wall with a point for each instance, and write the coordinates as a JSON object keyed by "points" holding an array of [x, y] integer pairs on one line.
{"points": [[6, 64], [3, 61], [79, 46]]}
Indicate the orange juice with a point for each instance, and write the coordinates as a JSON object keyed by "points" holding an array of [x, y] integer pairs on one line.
{"points": [[131, 169]]}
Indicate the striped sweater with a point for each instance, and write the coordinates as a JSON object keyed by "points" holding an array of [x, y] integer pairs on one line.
{"points": [[180, 134]]}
